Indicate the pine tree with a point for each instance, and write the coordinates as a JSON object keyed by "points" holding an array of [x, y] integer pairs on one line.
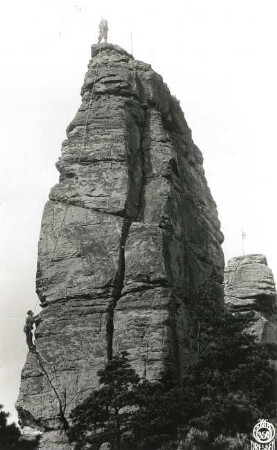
{"points": [[9, 434], [230, 386], [106, 414], [233, 382]]}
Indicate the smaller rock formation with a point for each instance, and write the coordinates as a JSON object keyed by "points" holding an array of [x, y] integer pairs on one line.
{"points": [[250, 286]]}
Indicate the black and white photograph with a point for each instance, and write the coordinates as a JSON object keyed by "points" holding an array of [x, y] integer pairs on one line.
{"points": [[138, 254]]}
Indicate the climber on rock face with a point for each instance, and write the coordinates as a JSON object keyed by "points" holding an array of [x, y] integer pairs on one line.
{"points": [[28, 328], [103, 30]]}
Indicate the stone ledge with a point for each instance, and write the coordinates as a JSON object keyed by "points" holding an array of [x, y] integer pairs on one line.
{"points": [[96, 48]]}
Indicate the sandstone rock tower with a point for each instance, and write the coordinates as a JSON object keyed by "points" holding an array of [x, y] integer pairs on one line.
{"points": [[250, 286], [129, 232]]}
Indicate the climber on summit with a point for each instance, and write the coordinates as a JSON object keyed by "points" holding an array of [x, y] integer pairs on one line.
{"points": [[28, 329], [103, 30]]}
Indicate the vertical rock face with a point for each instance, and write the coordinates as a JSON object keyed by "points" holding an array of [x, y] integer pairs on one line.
{"points": [[129, 233], [250, 286]]}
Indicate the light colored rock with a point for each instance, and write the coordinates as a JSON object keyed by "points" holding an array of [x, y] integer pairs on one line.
{"points": [[250, 286], [30, 435], [30, 431], [54, 440], [128, 235], [105, 446]]}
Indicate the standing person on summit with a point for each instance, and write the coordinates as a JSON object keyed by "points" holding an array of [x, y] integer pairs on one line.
{"points": [[103, 31]]}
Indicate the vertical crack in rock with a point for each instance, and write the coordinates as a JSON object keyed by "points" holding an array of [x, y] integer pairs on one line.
{"points": [[117, 286], [134, 204], [141, 191], [133, 213], [140, 233]]}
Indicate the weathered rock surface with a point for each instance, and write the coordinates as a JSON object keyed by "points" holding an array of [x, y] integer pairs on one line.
{"points": [[250, 286], [129, 232]]}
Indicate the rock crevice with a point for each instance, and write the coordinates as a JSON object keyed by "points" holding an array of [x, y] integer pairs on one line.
{"points": [[117, 286], [128, 236]]}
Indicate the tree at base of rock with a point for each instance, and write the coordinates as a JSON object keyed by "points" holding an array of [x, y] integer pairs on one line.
{"points": [[231, 385], [105, 415], [233, 381], [199, 440], [126, 411], [10, 435]]}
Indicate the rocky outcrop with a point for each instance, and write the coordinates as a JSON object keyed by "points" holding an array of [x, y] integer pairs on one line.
{"points": [[250, 286], [128, 235]]}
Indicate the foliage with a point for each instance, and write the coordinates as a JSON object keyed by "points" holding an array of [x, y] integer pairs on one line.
{"points": [[125, 411], [105, 415], [156, 420], [10, 435], [233, 382], [196, 439], [230, 386], [200, 440]]}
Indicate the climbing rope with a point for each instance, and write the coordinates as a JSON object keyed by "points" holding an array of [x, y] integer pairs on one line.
{"points": [[80, 153], [36, 305], [62, 405], [78, 162]]}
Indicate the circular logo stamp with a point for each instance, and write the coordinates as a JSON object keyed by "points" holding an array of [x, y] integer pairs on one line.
{"points": [[264, 432]]}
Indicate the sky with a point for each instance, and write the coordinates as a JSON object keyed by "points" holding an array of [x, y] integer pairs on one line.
{"points": [[218, 58]]}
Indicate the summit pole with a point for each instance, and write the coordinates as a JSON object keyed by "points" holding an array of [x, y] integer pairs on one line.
{"points": [[243, 237]]}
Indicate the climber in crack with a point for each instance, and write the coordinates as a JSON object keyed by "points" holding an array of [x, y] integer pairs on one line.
{"points": [[29, 330], [103, 30]]}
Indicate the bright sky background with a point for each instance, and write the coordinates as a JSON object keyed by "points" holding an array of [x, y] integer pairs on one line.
{"points": [[218, 57]]}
